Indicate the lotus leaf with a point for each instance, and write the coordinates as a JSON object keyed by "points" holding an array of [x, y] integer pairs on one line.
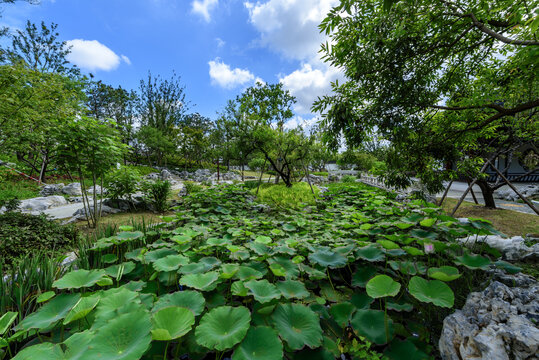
{"points": [[372, 325], [433, 291], [203, 282], [238, 288], [117, 271], [370, 253], [170, 263], [223, 327], [45, 351], [327, 258], [83, 307], [125, 337], [46, 296], [193, 300], [510, 268], [297, 325], [404, 350], [6, 321], [262, 290], [289, 227], [260, 343], [109, 258], [382, 286], [217, 242], [444, 273], [342, 313], [229, 270], [473, 261], [194, 268], [361, 300], [266, 240], [170, 323], [51, 312], [79, 279], [129, 235], [362, 275], [246, 273], [292, 289]]}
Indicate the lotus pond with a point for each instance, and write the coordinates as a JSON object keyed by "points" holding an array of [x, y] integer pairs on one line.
{"points": [[357, 275]]}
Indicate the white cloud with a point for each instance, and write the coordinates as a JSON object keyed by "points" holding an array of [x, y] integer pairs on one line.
{"points": [[291, 26], [222, 75], [92, 55], [220, 42], [305, 123], [308, 83], [204, 7], [126, 59]]}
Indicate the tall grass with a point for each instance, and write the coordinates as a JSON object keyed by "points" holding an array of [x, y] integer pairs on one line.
{"points": [[289, 197]]}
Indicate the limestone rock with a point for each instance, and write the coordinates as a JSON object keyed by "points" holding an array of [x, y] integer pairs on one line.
{"points": [[52, 189], [38, 204], [73, 189], [498, 323], [528, 191], [514, 248]]}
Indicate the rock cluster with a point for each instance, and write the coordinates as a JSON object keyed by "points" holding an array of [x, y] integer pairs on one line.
{"points": [[528, 191], [315, 179], [498, 323], [514, 248], [201, 175], [42, 203]]}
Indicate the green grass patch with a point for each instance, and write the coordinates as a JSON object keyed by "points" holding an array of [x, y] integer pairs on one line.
{"points": [[20, 189], [290, 197], [143, 169], [319, 173]]}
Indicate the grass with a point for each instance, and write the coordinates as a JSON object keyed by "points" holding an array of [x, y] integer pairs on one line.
{"points": [[280, 195], [319, 173], [511, 223], [20, 189]]}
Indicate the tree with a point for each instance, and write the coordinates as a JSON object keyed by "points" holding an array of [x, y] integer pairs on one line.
{"points": [[161, 106], [445, 82], [40, 49]]}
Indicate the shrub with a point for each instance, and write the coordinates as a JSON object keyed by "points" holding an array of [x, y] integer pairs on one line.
{"points": [[22, 235], [192, 187], [122, 183], [256, 164], [348, 179], [156, 193], [143, 170]]}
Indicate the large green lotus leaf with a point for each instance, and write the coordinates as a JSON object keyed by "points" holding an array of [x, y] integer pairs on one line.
{"points": [[238, 288], [194, 268], [362, 275], [246, 273], [154, 255], [79, 279], [210, 262], [382, 286], [277, 269], [83, 307], [327, 258], [388, 244], [510, 268], [370, 253], [77, 344], [45, 351], [342, 313], [298, 325], [291, 269], [46, 296], [129, 236], [289, 227], [423, 234], [193, 300], [427, 222], [260, 248], [444, 273], [51, 312], [114, 302], [217, 242], [403, 225], [203, 282], [260, 343], [229, 270], [473, 261], [125, 337], [6, 320], [433, 291], [361, 300], [399, 306], [171, 323], [117, 271], [314, 274], [266, 240], [223, 327], [404, 350], [262, 290], [292, 289], [372, 325], [109, 258], [170, 263]]}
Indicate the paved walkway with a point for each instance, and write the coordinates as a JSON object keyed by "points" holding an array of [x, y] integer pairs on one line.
{"points": [[458, 188]]}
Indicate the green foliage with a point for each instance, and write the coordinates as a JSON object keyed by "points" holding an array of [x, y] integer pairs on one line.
{"points": [[221, 277], [192, 187], [157, 193], [122, 183], [143, 170], [288, 197], [24, 234], [348, 179]]}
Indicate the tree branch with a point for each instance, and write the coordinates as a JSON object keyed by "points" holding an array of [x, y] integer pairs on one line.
{"points": [[481, 26]]}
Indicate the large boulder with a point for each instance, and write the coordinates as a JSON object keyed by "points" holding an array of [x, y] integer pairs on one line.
{"points": [[42, 203], [52, 189], [528, 191], [73, 189], [498, 323], [315, 179], [80, 214], [514, 248]]}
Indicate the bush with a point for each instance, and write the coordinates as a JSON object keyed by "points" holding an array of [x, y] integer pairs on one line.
{"points": [[289, 197], [156, 193], [348, 179], [122, 183], [143, 170], [192, 187], [22, 235], [256, 164]]}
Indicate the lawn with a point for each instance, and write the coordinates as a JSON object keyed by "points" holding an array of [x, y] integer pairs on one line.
{"points": [[511, 223]]}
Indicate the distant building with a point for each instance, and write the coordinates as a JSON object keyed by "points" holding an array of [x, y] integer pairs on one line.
{"points": [[520, 164]]}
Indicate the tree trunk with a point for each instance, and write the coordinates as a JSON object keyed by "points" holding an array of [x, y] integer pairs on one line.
{"points": [[488, 194]]}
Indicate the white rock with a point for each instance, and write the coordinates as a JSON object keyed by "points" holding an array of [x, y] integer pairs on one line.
{"points": [[513, 248], [42, 203], [73, 189]]}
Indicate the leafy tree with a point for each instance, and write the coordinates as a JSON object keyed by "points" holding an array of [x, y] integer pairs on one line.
{"points": [[40, 49], [91, 149], [445, 82], [194, 138]]}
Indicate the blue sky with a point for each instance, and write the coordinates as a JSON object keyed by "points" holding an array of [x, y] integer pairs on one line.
{"points": [[218, 47]]}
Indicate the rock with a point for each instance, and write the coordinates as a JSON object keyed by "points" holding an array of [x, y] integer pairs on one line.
{"points": [[334, 177], [97, 189], [152, 176], [514, 248], [72, 189], [323, 189], [528, 191], [165, 175], [81, 215], [42, 203], [315, 179], [495, 324], [75, 199], [70, 258], [51, 189]]}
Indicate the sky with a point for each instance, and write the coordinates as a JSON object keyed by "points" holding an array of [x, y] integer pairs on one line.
{"points": [[218, 47]]}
